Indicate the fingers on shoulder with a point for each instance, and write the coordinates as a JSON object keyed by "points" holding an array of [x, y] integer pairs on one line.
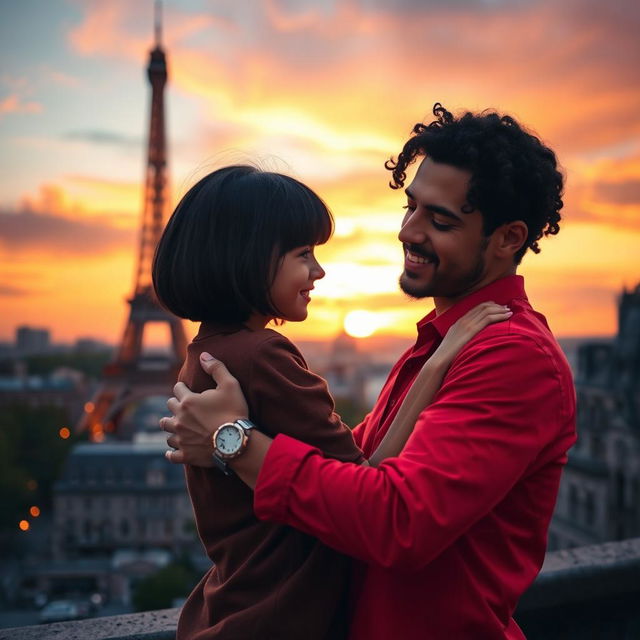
{"points": [[484, 314], [217, 369]]}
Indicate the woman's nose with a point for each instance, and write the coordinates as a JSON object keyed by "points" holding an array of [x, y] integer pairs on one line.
{"points": [[318, 271]]}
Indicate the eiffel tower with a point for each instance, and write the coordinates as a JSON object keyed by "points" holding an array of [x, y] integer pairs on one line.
{"points": [[133, 375]]}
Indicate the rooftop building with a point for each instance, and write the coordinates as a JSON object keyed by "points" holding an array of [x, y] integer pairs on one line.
{"points": [[599, 497]]}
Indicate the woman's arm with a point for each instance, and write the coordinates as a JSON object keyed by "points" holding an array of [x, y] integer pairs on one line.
{"points": [[430, 377]]}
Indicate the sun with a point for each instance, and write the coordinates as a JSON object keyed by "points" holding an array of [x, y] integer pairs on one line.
{"points": [[360, 323]]}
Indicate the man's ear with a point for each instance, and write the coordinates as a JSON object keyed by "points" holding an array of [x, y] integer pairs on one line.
{"points": [[510, 238]]}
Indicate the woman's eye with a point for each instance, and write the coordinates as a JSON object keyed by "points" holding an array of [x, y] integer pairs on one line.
{"points": [[409, 207]]}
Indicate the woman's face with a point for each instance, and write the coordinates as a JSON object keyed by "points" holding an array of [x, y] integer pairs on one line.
{"points": [[290, 291]]}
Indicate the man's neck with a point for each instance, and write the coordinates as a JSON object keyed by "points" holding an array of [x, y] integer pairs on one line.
{"points": [[443, 304]]}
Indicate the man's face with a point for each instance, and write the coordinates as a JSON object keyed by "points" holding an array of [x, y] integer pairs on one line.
{"points": [[444, 248]]}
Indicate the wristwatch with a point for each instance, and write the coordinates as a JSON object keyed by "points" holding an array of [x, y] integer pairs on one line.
{"points": [[230, 441]]}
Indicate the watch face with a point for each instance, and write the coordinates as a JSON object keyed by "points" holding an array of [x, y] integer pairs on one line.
{"points": [[229, 439]]}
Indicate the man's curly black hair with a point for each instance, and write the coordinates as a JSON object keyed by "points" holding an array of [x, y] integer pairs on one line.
{"points": [[514, 176]]}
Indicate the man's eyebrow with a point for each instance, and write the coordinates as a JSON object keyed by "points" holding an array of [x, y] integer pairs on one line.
{"points": [[434, 208]]}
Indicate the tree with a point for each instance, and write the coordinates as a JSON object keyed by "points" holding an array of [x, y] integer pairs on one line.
{"points": [[31, 457], [159, 590]]}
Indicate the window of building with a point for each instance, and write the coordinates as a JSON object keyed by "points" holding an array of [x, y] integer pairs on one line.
{"points": [[106, 531], [590, 508], [573, 501], [620, 483], [598, 448]]}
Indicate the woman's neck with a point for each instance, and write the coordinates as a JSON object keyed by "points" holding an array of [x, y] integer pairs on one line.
{"points": [[257, 321]]}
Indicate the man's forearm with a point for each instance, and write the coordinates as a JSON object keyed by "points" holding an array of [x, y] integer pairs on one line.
{"points": [[248, 465]]}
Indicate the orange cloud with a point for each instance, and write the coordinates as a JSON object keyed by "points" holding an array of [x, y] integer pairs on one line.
{"points": [[119, 202], [15, 104], [11, 291], [104, 31], [56, 221], [122, 29], [55, 236], [88, 198]]}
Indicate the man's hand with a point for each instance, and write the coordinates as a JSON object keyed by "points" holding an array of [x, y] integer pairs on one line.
{"points": [[196, 416]]}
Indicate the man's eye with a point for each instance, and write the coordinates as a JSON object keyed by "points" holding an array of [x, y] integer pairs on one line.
{"points": [[441, 227]]}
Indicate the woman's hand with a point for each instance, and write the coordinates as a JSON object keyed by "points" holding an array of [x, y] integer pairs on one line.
{"points": [[466, 328]]}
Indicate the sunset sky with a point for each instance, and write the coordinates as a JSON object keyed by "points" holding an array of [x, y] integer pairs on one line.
{"points": [[326, 91]]}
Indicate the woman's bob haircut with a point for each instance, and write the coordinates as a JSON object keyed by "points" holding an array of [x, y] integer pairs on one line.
{"points": [[219, 253]]}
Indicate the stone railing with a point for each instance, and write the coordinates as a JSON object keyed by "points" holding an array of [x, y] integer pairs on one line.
{"points": [[150, 625], [585, 592]]}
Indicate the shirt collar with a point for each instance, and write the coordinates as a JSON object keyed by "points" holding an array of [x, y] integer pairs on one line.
{"points": [[501, 291], [208, 329]]}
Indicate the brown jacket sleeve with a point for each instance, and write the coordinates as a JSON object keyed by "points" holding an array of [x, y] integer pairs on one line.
{"points": [[288, 398]]}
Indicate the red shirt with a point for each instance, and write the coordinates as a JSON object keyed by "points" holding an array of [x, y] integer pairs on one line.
{"points": [[453, 531]]}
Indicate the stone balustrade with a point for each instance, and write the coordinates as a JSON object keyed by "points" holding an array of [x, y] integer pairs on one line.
{"points": [[585, 592]]}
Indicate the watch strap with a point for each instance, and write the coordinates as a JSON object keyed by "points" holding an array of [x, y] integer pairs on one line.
{"points": [[245, 423], [220, 464]]}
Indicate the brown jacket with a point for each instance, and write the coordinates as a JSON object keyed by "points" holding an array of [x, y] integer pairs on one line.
{"points": [[269, 581]]}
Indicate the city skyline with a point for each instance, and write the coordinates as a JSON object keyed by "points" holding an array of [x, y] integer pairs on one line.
{"points": [[326, 91]]}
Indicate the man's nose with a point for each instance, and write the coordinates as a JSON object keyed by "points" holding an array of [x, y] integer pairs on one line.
{"points": [[411, 232]]}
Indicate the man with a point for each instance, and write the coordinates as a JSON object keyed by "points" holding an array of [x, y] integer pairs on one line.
{"points": [[449, 534]]}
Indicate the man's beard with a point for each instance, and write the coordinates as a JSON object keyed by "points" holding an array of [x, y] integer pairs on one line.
{"points": [[437, 288]]}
